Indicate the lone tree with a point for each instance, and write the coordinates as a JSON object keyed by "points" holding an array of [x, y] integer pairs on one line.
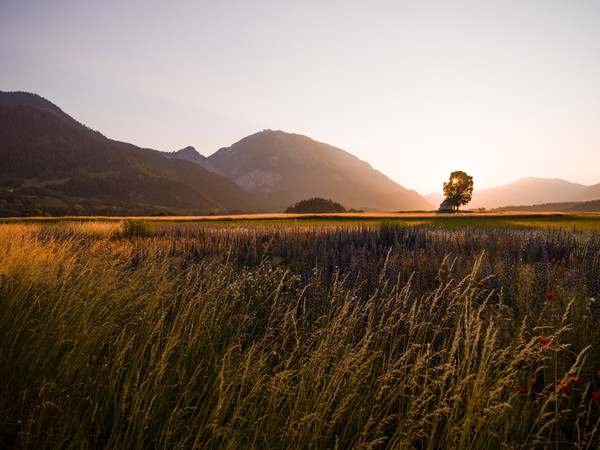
{"points": [[459, 189]]}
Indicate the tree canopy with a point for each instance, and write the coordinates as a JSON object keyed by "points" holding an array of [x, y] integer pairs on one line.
{"points": [[458, 190], [316, 205]]}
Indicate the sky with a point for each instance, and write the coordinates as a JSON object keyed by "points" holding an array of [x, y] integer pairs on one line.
{"points": [[499, 89]]}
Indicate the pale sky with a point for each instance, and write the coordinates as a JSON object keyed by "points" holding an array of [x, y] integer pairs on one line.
{"points": [[499, 89]]}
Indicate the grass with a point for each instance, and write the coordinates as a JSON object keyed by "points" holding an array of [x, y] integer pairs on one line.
{"points": [[581, 222], [336, 335]]}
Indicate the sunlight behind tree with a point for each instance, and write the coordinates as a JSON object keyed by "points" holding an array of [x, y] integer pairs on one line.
{"points": [[459, 189]]}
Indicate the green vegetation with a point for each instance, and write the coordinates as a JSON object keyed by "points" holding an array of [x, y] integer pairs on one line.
{"points": [[376, 335], [458, 190], [51, 164], [580, 222], [138, 228], [567, 207], [316, 205]]}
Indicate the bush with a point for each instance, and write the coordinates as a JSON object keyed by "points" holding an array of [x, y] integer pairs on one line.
{"points": [[138, 228], [36, 212], [316, 205]]}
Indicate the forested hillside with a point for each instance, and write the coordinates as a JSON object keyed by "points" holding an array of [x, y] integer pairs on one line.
{"points": [[47, 163]]}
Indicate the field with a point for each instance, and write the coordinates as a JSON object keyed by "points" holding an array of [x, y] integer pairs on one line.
{"points": [[390, 331]]}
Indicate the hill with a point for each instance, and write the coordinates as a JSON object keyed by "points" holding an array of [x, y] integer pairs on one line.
{"points": [[315, 205], [51, 163], [567, 207], [280, 169], [526, 192], [35, 101], [591, 193]]}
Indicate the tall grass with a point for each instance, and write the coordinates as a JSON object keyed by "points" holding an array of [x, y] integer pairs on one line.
{"points": [[287, 337]]}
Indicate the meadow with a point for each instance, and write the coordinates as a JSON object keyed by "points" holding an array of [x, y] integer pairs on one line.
{"points": [[300, 333]]}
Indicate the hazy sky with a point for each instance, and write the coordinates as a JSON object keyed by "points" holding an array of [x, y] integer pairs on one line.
{"points": [[499, 89]]}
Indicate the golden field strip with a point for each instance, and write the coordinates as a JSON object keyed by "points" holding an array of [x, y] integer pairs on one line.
{"points": [[580, 221]]}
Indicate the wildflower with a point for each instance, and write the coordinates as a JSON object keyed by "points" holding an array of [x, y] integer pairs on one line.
{"points": [[595, 397], [544, 341], [520, 388], [563, 387], [574, 378], [533, 381], [598, 373], [550, 296]]}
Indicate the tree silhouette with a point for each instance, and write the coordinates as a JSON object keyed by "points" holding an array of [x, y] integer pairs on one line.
{"points": [[316, 205], [458, 190]]}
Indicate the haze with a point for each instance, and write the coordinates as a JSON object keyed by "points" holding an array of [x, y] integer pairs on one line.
{"points": [[501, 90]]}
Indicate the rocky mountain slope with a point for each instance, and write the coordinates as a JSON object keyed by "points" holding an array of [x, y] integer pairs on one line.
{"points": [[280, 169], [192, 155]]}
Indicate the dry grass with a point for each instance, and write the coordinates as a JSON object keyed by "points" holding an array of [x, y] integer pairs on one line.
{"points": [[128, 344]]}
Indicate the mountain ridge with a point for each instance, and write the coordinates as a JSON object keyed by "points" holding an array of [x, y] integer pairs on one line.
{"points": [[281, 168], [47, 162], [189, 153], [528, 191], [277, 169]]}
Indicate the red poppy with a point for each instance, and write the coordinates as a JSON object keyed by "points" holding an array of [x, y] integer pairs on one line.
{"points": [[574, 378], [598, 373], [521, 388], [543, 341], [564, 387], [550, 296], [596, 397], [533, 381]]}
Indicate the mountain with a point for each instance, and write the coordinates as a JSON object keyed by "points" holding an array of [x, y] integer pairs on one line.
{"points": [[35, 101], [526, 191], [280, 169], [566, 207], [591, 193], [192, 155], [49, 161], [435, 198]]}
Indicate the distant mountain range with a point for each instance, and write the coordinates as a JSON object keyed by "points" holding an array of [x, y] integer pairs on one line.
{"points": [[566, 207], [280, 169], [50, 162], [528, 191]]}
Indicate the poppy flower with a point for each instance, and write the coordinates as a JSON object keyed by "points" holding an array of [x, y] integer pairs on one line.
{"points": [[550, 296], [563, 387], [521, 388], [596, 397], [598, 373], [574, 378], [533, 381], [543, 341]]}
